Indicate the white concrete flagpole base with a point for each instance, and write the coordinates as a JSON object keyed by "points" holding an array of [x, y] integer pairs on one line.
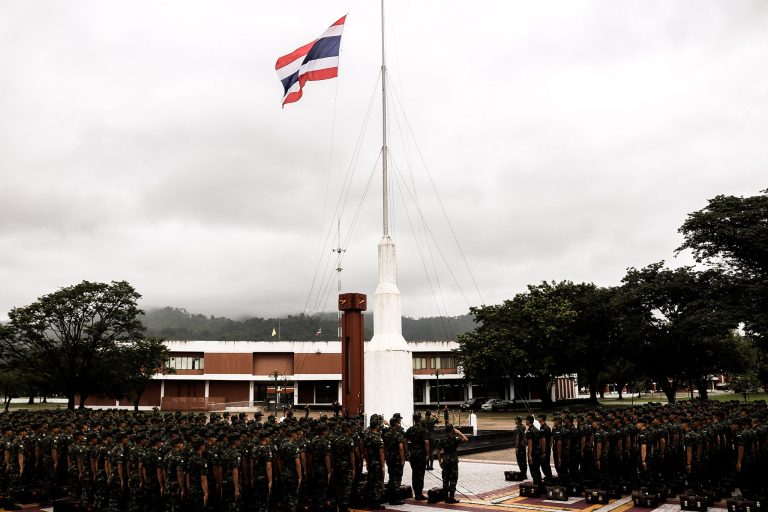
{"points": [[388, 360]]}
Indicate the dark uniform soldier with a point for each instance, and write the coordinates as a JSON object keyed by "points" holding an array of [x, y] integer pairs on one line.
{"points": [[418, 450], [560, 450], [75, 465], [100, 478], [449, 461], [230, 475], [394, 450], [151, 468], [546, 447], [320, 455], [291, 470], [118, 475], [344, 466], [87, 482], [429, 426], [521, 447], [173, 486], [533, 442], [197, 478], [374, 460], [262, 471], [135, 459]]}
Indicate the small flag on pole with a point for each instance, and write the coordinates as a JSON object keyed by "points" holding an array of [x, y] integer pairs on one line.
{"points": [[318, 60], [274, 332]]}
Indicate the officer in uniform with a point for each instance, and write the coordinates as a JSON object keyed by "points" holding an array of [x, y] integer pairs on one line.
{"points": [[449, 461], [521, 447], [418, 450], [230, 474], [375, 460], [197, 478], [344, 466], [394, 449], [320, 455], [291, 470], [533, 445], [546, 447], [429, 425], [262, 471]]}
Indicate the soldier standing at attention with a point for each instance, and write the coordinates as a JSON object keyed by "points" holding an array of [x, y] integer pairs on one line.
{"points": [[546, 447], [118, 475], [429, 426], [449, 461], [394, 447], [151, 468], [344, 466], [197, 478], [230, 475], [290, 456], [74, 463], [418, 448], [374, 461], [320, 454], [559, 449], [172, 485], [100, 485], [520, 447], [533, 442], [262, 471]]}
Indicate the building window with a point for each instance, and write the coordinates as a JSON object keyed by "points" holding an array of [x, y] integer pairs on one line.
{"points": [[326, 392], [434, 363], [186, 362], [419, 387], [449, 391], [419, 363], [447, 362]]}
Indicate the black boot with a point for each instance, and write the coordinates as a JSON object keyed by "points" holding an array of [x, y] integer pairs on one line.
{"points": [[451, 498]]}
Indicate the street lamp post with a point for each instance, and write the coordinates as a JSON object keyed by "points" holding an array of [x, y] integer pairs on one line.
{"points": [[437, 385], [276, 374]]}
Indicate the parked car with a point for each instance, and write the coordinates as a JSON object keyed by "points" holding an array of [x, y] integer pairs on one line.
{"points": [[497, 404], [473, 404]]}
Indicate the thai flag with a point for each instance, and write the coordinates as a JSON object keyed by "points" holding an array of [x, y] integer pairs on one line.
{"points": [[318, 60]]}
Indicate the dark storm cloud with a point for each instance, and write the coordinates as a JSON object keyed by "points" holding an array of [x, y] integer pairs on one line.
{"points": [[568, 140]]}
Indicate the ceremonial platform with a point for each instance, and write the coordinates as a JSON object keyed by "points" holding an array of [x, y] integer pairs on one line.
{"points": [[482, 487]]}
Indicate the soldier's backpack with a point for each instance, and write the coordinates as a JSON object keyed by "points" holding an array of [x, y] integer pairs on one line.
{"points": [[514, 476], [596, 496], [557, 493], [436, 495], [693, 503], [531, 490]]}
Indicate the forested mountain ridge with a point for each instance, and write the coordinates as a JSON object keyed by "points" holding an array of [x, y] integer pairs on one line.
{"points": [[178, 324]]}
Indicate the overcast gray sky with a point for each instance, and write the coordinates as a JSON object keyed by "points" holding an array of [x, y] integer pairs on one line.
{"points": [[144, 141]]}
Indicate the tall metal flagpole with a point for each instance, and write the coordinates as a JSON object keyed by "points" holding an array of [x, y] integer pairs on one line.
{"points": [[388, 360], [384, 126]]}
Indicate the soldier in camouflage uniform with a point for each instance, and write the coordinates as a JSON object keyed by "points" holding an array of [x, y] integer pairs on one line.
{"points": [[100, 485], [230, 475], [533, 447], [320, 466], [75, 466], [291, 470], [374, 460], [521, 447], [449, 461], [429, 426], [197, 478], [89, 468], [394, 450], [344, 466], [118, 475], [418, 450], [152, 466], [262, 470], [134, 462], [546, 447], [172, 487]]}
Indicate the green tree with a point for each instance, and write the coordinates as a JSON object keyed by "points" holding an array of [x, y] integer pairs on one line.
{"points": [[732, 232], [681, 325], [549, 330], [66, 337], [139, 362]]}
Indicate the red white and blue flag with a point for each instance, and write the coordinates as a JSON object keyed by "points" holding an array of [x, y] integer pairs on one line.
{"points": [[318, 60]]}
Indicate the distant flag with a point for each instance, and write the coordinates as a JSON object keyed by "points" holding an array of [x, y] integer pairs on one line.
{"points": [[319, 332], [274, 332], [318, 60]]}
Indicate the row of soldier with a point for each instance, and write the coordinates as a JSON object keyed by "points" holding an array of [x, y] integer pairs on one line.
{"points": [[694, 445], [115, 461]]}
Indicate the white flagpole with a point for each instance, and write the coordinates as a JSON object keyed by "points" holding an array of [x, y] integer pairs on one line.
{"points": [[384, 127]]}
